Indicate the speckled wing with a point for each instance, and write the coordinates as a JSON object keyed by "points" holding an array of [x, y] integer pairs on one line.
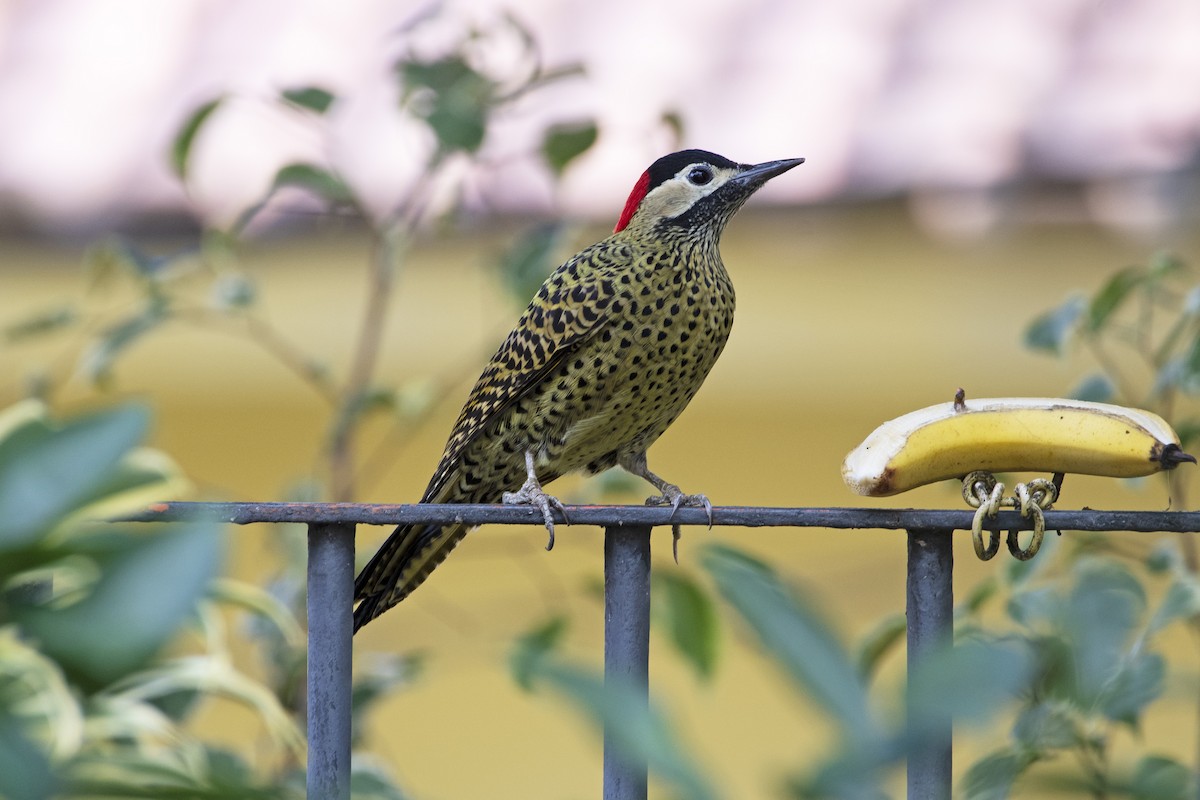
{"points": [[568, 310]]}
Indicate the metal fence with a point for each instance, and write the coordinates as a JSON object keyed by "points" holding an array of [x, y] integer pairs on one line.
{"points": [[331, 527]]}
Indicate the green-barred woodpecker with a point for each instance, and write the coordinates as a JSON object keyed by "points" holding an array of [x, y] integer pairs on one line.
{"points": [[612, 348]]}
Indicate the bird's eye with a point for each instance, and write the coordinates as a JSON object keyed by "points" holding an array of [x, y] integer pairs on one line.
{"points": [[700, 175]]}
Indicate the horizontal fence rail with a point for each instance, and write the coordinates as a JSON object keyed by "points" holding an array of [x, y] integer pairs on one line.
{"points": [[331, 528], [607, 516]]}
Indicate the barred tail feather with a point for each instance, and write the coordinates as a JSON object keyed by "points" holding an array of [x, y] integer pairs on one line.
{"points": [[401, 565]]}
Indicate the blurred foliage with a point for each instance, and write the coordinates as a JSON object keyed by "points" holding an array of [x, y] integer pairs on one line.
{"points": [[449, 83], [1142, 330], [113, 637], [1072, 662]]}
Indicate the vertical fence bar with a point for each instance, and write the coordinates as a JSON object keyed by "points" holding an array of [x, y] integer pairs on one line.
{"points": [[930, 611], [330, 632], [626, 642]]}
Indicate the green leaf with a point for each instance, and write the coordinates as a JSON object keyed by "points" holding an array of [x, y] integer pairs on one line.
{"points": [[533, 647], [639, 732], [1099, 618], [1044, 727], [690, 617], [795, 635], [149, 584], [1138, 682], [453, 98], [531, 258], [673, 121], [562, 144], [1182, 601], [312, 98], [234, 291], [879, 641], [47, 470], [319, 181], [25, 770], [1164, 264], [97, 360], [945, 684], [1034, 608], [1050, 331], [993, 776], [1097, 388], [1161, 778], [40, 323], [181, 148], [1110, 297]]}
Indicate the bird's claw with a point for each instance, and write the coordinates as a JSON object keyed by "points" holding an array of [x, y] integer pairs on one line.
{"points": [[675, 498], [532, 495]]}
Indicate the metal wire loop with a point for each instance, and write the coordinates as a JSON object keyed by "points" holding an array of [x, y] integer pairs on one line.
{"points": [[982, 491]]}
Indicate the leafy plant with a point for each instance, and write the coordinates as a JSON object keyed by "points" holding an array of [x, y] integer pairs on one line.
{"points": [[448, 86]]}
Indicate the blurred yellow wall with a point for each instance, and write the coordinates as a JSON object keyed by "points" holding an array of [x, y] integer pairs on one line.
{"points": [[846, 317]]}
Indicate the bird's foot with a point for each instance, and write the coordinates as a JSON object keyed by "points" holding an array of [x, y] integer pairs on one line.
{"points": [[532, 494], [674, 497]]}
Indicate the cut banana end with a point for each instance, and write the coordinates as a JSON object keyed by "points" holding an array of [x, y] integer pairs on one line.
{"points": [[1011, 434]]}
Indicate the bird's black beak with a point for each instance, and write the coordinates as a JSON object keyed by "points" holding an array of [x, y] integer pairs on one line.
{"points": [[758, 174]]}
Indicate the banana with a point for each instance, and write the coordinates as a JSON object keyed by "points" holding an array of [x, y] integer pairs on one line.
{"points": [[1011, 434]]}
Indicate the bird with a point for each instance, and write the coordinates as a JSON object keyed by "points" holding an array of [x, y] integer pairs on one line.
{"points": [[611, 349]]}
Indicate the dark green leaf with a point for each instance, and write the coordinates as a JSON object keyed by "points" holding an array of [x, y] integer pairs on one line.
{"points": [[1051, 330], [1161, 778], [181, 148], [533, 647], [41, 323], [795, 635], [1138, 682], [312, 98], [562, 144], [879, 641], [993, 776], [1096, 388], [320, 181], [456, 100], [530, 259], [47, 471], [1110, 297], [690, 618], [149, 584]]}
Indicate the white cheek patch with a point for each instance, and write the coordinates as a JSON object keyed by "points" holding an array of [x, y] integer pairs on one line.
{"points": [[679, 194]]}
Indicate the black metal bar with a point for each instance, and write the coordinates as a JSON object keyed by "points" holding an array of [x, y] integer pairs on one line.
{"points": [[930, 611], [626, 643], [330, 628], [847, 518]]}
